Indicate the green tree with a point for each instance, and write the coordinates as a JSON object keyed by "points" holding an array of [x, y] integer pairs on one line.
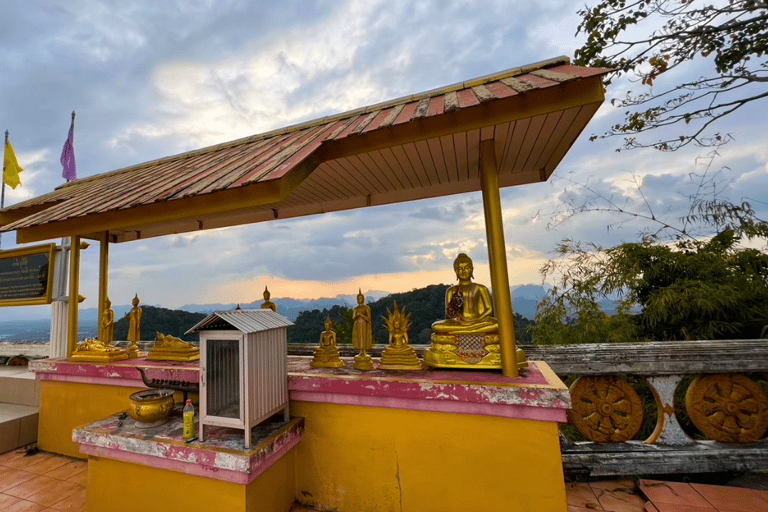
{"points": [[680, 289], [645, 39]]}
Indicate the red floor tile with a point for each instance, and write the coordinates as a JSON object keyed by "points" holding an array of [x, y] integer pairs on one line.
{"points": [[9, 456], [55, 493], [6, 501], [672, 493], [80, 478], [25, 506], [580, 495], [73, 503], [68, 470], [28, 460], [734, 499], [10, 477], [44, 466], [30, 487]]}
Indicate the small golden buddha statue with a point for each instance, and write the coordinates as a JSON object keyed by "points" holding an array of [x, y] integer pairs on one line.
{"points": [[362, 334], [327, 354], [170, 348], [134, 328], [398, 355], [469, 335], [268, 304]]}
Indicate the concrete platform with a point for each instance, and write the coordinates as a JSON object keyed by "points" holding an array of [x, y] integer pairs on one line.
{"points": [[19, 407]]}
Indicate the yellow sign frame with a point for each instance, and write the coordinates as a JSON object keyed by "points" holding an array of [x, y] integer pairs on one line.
{"points": [[50, 250]]}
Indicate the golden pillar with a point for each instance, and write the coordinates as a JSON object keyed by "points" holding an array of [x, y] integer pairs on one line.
{"points": [[497, 256], [74, 289], [103, 276]]}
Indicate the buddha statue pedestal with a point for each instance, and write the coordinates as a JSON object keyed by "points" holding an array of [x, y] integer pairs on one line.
{"points": [[95, 351], [479, 351], [170, 348], [401, 357], [327, 357], [363, 362]]}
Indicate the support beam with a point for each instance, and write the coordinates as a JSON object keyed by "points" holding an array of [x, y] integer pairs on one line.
{"points": [[103, 276], [497, 256], [74, 293]]}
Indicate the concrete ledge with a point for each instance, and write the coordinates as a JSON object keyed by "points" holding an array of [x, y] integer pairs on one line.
{"points": [[18, 426]]}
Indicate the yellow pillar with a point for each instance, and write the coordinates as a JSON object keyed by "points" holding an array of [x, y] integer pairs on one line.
{"points": [[103, 275], [497, 256], [74, 289]]}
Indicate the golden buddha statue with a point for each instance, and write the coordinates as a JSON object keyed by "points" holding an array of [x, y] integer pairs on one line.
{"points": [[398, 355], [362, 334], [170, 348], [268, 304], [469, 335], [327, 354], [134, 328], [107, 323]]}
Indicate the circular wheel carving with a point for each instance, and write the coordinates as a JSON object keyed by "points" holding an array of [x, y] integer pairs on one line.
{"points": [[605, 409], [729, 408]]}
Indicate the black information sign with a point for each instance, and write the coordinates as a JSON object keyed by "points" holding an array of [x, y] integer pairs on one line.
{"points": [[26, 276]]}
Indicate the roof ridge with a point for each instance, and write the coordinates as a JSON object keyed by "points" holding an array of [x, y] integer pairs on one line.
{"points": [[519, 70]]}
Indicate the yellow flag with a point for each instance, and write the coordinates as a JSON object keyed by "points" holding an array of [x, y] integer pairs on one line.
{"points": [[11, 168]]}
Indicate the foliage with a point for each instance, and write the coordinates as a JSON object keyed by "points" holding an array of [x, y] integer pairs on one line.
{"points": [[732, 34], [425, 305], [162, 320], [309, 325], [682, 290]]}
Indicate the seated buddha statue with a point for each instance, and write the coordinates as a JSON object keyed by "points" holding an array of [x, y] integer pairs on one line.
{"points": [[468, 305], [469, 335], [327, 354]]}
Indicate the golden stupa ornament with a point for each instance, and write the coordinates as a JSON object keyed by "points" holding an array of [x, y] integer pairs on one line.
{"points": [[469, 335], [134, 328], [398, 355], [101, 350], [362, 334], [170, 348], [327, 354], [268, 304]]}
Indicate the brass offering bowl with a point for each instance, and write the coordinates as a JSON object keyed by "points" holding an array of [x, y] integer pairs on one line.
{"points": [[151, 405]]}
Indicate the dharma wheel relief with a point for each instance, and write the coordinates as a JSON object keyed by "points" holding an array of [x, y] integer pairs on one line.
{"points": [[727, 408], [730, 408]]}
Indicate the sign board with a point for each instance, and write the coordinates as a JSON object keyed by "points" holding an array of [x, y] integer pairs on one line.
{"points": [[26, 275]]}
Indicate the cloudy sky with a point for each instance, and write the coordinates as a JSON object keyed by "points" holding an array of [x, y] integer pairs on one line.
{"points": [[150, 79]]}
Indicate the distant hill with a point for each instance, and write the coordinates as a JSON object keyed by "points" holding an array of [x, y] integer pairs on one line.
{"points": [[425, 305], [288, 307]]}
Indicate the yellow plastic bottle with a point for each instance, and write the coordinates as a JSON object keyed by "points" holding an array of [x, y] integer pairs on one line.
{"points": [[189, 419]]}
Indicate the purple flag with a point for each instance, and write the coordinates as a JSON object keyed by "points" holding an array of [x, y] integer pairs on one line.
{"points": [[68, 155]]}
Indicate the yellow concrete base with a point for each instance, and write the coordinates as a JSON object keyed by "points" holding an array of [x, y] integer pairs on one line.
{"points": [[354, 458], [66, 405], [115, 486]]}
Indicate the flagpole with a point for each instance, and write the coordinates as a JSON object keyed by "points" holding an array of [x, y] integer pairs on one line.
{"points": [[2, 194]]}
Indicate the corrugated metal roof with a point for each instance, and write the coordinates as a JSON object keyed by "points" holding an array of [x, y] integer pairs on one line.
{"points": [[244, 320], [418, 146]]}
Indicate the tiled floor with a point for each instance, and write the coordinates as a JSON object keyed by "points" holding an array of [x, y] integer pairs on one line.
{"points": [[55, 483], [43, 481], [658, 496]]}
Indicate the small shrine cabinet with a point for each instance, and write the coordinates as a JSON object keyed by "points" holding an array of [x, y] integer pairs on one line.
{"points": [[243, 369]]}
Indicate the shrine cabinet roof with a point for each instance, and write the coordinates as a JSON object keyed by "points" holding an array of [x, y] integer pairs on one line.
{"points": [[244, 320], [419, 146]]}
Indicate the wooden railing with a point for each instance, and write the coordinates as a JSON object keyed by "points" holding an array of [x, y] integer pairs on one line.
{"points": [[624, 405]]}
